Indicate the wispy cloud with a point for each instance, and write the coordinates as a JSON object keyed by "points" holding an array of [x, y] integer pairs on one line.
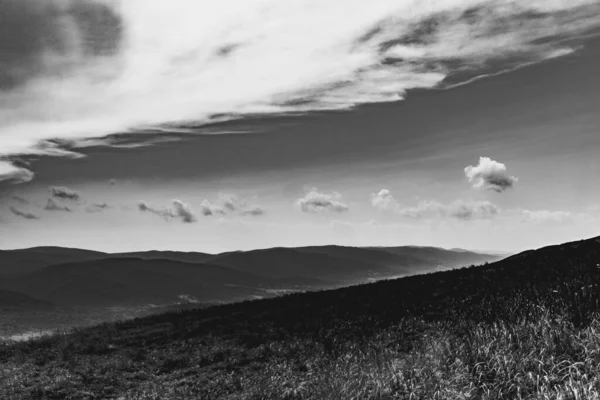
{"points": [[553, 217], [317, 202], [96, 208], [23, 214], [490, 175], [230, 204], [241, 57], [462, 210], [64, 193], [20, 199], [52, 205], [178, 210]]}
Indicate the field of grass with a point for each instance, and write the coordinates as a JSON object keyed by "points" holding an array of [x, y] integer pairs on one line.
{"points": [[524, 328]]}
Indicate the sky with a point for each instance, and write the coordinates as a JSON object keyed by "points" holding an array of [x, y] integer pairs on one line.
{"points": [[135, 125]]}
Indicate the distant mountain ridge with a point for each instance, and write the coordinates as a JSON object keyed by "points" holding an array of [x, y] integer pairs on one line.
{"points": [[74, 277]]}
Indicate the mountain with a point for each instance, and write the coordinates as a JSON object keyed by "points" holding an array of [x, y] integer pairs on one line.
{"points": [[89, 278], [189, 257], [129, 281], [540, 307], [344, 265], [23, 261], [288, 263], [441, 257]]}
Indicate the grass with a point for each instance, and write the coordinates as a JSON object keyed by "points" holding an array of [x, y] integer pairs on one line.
{"points": [[524, 328]]}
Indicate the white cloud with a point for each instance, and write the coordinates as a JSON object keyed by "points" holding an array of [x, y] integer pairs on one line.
{"points": [[316, 202], [490, 175], [186, 60], [463, 210], [383, 200], [13, 173]]}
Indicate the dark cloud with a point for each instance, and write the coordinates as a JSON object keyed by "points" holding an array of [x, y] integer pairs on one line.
{"points": [[64, 193], [52, 205], [45, 37], [184, 211], [316, 202], [179, 210], [23, 214], [490, 175]]}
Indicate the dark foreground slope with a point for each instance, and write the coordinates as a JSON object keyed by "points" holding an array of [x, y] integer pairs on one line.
{"points": [[525, 327]]}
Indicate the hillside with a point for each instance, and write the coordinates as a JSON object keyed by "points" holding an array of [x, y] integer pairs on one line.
{"points": [[524, 327]]}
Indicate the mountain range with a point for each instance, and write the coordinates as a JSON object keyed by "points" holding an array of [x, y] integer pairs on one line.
{"points": [[83, 278]]}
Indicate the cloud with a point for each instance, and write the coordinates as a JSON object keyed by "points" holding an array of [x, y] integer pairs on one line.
{"points": [[316, 202], [462, 210], [553, 217], [178, 210], [20, 199], [184, 211], [64, 193], [209, 209], [253, 212], [52, 205], [67, 74], [23, 214], [10, 172], [383, 200], [97, 207], [490, 175], [230, 204], [163, 212]]}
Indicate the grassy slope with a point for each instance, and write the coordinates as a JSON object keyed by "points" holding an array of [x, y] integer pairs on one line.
{"points": [[525, 327]]}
